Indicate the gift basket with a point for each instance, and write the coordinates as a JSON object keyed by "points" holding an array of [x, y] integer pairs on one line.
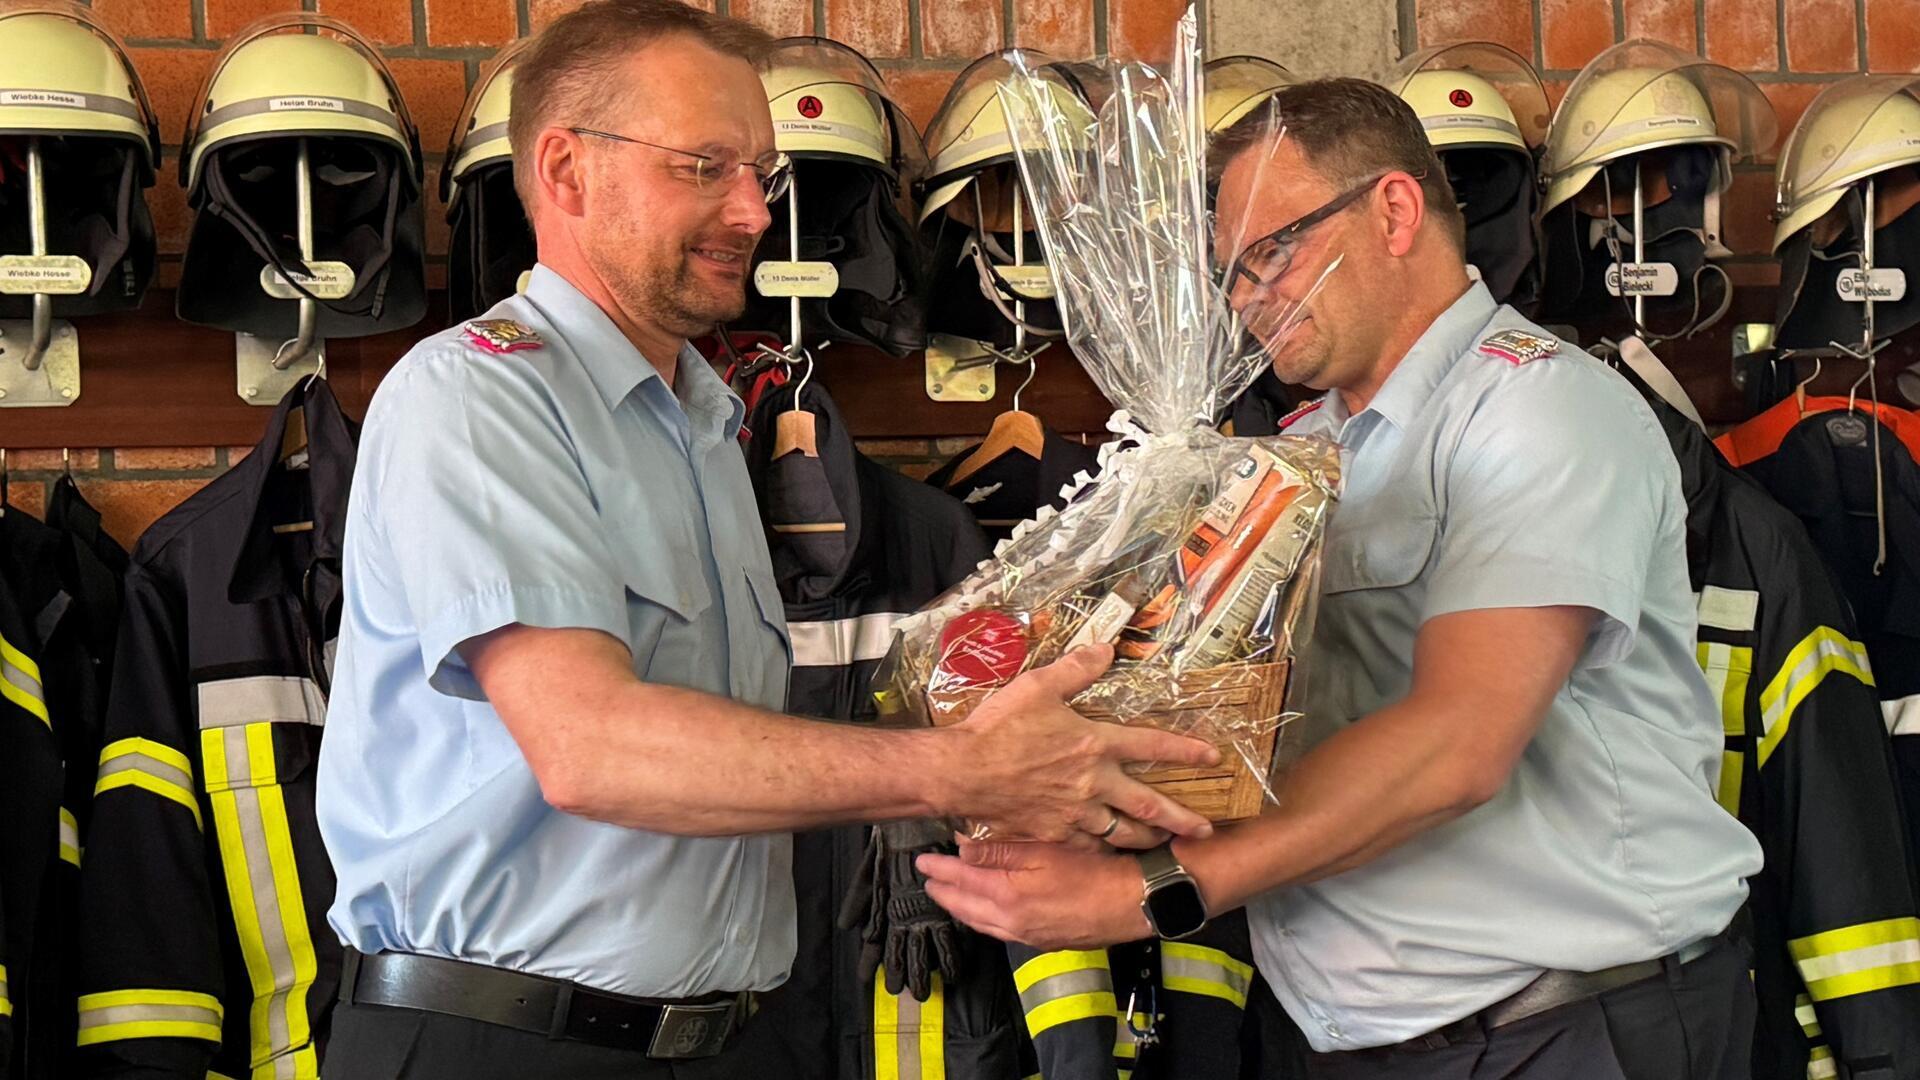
{"points": [[1196, 555]]}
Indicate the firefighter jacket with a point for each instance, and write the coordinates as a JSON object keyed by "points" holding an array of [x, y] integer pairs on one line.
{"points": [[903, 543], [1825, 472], [1809, 768], [1146, 1010], [59, 599], [1011, 488], [205, 886]]}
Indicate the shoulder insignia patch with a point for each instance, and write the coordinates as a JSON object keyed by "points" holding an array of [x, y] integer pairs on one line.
{"points": [[1518, 347], [1300, 413], [503, 335]]}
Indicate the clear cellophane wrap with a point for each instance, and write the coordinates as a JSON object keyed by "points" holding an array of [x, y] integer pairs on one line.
{"points": [[1195, 554]]}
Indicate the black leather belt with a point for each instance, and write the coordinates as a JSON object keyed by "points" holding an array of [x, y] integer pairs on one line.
{"points": [[1556, 988], [661, 1028]]}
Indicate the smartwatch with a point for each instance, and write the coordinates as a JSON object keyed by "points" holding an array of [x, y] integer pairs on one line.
{"points": [[1173, 904]]}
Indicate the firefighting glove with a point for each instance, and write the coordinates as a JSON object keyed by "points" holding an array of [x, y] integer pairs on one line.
{"points": [[901, 928]]}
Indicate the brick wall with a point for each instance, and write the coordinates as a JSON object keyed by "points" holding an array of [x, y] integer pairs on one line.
{"points": [[1791, 48], [436, 48]]}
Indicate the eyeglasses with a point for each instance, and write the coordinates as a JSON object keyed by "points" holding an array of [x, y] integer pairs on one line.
{"points": [[714, 173], [1263, 262]]}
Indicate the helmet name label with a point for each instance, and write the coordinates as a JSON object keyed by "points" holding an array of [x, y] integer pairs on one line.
{"points": [[1031, 282], [53, 275], [328, 281], [1859, 286], [810, 279], [56, 98], [306, 104], [1642, 279]]}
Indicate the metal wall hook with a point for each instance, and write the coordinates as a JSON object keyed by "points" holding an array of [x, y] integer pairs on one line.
{"points": [[291, 351], [1032, 369]]}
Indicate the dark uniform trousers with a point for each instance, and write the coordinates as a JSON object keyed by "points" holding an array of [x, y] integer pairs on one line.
{"points": [[374, 1042], [1691, 1022]]}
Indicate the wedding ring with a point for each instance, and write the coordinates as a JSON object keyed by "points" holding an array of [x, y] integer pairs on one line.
{"points": [[1111, 826]]}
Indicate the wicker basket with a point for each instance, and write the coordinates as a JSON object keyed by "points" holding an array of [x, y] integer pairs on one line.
{"points": [[1229, 791]]}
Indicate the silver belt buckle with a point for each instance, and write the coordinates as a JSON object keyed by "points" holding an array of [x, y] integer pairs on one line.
{"points": [[692, 1031]]}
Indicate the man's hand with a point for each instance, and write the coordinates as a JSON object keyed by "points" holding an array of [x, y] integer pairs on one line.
{"points": [[1030, 766], [1049, 896]]}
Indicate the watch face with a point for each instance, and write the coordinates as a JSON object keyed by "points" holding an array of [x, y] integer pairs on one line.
{"points": [[1177, 909]]}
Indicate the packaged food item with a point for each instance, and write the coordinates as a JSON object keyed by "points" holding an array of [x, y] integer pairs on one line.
{"points": [[1195, 554]]}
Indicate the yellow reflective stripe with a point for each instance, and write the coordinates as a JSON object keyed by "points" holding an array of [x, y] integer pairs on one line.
{"points": [[1820, 1065], [153, 785], [1196, 969], [1728, 669], [886, 1029], [20, 681], [1820, 652], [159, 752], [69, 837], [149, 1014], [6, 1003], [1062, 987], [1066, 1010], [263, 887], [909, 1036], [1047, 965], [1803, 1012], [1859, 959], [302, 1064], [1732, 767]]}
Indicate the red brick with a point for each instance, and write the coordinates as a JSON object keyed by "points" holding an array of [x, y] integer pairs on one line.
{"points": [[1744, 210], [29, 497], [1143, 29], [1821, 36], [470, 22], [1789, 101], [1671, 21], [542, 12], [172, 78], [50, 461], [1743, 34], [237, 454], [386, 22], [1502, 22], [875, 27], [919, 91], [224, 17], [1556, 89], [1061, 27], [435, 90], [961, 29], [147, 18], [1574, 32], [782, 18], [1893, 35], [127, 507], [167, 274], [170, 458], [167, 202]]}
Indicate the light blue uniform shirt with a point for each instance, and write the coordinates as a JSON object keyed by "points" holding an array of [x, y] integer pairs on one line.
{"points": [[562, 486], [1474, 482]]}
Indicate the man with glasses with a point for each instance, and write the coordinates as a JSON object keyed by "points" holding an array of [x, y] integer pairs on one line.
{"points": [[1502, 857], [556, 786]]}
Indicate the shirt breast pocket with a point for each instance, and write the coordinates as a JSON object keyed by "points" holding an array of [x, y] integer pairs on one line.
{"points": [[1383, 548], [773, 617], [666, 591]]}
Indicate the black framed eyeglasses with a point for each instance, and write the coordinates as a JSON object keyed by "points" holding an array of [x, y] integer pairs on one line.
{"points": [[1263, 262], [714, 173]]}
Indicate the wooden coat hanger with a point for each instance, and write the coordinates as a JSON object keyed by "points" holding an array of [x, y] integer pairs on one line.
{"points": [[1012, 430], [794, 429]]}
